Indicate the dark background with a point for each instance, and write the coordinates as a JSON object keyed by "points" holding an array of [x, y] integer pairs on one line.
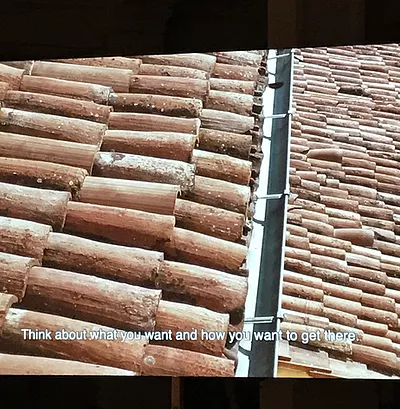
{"points": [[39, 29], [154, 393]]}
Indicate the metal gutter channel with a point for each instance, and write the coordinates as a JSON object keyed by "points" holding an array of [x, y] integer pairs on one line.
{"points": [[257, 229], [264, 354]]}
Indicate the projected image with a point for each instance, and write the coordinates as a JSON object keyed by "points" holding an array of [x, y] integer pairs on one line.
{"points": [[219, 214]]}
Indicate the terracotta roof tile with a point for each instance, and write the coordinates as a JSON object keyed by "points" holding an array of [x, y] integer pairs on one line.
{"points": [[56, 105], [117, 78], [51, 126], [111, 62], [18, 319], [66, 88], [35, 365], [39, 149]]}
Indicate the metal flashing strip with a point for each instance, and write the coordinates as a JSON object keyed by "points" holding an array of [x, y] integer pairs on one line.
{"points": [[263, 356]]}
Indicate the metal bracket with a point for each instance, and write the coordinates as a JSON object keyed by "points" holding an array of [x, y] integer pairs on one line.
{"points": [[264, 320], [279, 116], [244, 351], [279, 56], [279, 315], [270, 197], [260, 320], [274, 195], [257, 221], [276, 116]]}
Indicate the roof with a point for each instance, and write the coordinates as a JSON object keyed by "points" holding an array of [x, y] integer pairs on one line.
{"points": [[342, 261], [125, 185]]}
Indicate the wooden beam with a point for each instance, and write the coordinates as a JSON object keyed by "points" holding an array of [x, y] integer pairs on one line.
{"points": [[290, 370]]}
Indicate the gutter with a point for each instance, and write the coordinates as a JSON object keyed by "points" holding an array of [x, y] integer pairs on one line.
{"points": [[263, 356]]}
